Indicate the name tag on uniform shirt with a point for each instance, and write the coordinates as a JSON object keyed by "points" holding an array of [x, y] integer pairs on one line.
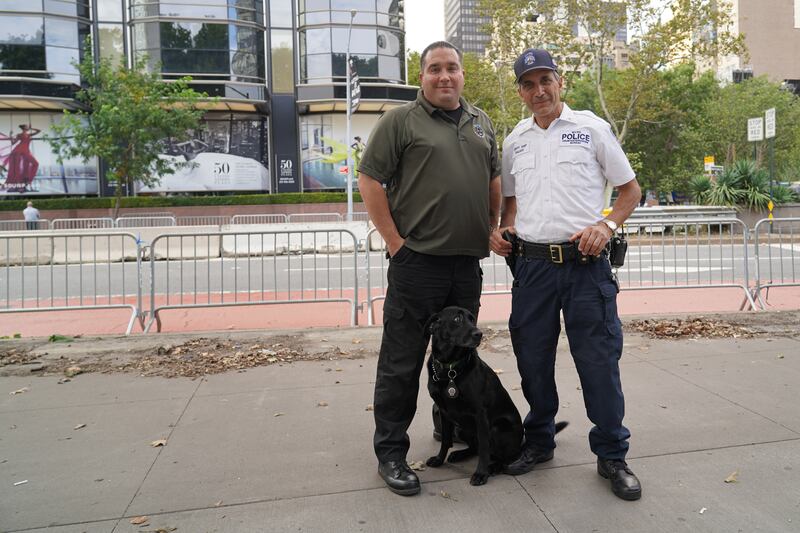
{"points": [[576, 138], [521, 149]]}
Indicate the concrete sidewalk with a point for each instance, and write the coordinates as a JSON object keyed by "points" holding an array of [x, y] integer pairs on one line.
{"points": [[288, 448]]}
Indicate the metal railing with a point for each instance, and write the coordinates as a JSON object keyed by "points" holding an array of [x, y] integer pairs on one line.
{"points": [[313, 218], [275, 218], [256, 268], [203, 220], [70, 271], [82, 223], [146, 222], [23, 225], [777, 255], [693, 254]]}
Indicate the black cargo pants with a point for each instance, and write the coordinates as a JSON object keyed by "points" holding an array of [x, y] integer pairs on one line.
{"points": [[419, 285]]}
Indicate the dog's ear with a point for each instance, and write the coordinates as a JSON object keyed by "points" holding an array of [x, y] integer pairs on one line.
{"points": [[432, 324]]}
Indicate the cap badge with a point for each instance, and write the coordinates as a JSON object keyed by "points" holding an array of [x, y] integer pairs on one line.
{"points": [[530, 59]]}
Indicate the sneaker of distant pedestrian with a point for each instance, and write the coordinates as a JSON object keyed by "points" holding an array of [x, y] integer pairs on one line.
{"points": [[32, 216]]}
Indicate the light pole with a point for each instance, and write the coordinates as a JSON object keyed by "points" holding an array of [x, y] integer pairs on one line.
{"points": [[349, 117]]}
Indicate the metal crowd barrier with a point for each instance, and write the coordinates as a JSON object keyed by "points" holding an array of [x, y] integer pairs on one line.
{"points": [[70, 271], [146, 221], [203, 220], [22, 225], [311, 218], [777, 255], [497, 277], [253, 268], [82, 223], [692, 254], [276, 218]]}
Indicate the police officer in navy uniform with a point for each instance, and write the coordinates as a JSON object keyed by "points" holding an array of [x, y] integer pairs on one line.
{"points": [[437, 158], [555, 168]]}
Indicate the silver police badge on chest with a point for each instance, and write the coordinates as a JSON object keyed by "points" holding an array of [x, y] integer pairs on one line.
{"points": [[452, 390], [478, 130]]}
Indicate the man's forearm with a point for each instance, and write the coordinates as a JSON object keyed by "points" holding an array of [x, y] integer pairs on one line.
{"points": [[629, 196], [495, 198], [378, 208], [509, 211]]}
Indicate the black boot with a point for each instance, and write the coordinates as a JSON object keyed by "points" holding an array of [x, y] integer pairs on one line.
{"points": [[529, 458], [399, 477], [624, 482]]}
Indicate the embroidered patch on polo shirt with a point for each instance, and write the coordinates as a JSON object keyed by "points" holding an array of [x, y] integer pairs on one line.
{"points": [[576, 138], [478, 130]]}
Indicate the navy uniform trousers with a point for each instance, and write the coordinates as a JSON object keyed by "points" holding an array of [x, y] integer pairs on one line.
{"points": [[587, 295], [419, 285]]}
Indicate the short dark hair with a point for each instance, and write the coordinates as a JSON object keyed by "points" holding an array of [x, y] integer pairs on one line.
{"points": [[434, 46]]}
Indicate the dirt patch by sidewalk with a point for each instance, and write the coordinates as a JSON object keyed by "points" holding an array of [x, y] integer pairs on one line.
{"points": [[195, 355]]}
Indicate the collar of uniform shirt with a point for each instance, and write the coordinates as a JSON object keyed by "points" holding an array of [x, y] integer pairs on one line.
{"points": [[427, 106], [567, 115]]}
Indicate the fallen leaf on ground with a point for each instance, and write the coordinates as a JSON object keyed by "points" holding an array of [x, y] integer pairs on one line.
{"points": [[703, 510], [445, 494], [322, 404], [732, 477], [79, 426], [498, 370], [55, 337], [278, 414], [516, 387], [139, 520], [19, 391], [64, 380], [419, 466], [356, 341], [73, 371], [370, 407], [159, 442]]}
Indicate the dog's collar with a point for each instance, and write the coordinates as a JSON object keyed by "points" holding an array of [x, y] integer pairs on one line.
{"points": [[451, 369]]}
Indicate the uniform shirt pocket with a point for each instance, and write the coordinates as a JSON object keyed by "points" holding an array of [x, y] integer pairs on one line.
{"points": [[577, 167], [523, 170]]}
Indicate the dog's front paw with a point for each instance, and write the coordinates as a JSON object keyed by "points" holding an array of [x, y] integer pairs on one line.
{"points": [[478, 478], [434, 461]]}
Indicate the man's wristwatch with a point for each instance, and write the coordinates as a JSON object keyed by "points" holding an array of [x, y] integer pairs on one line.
{"points": [[611, 225]]}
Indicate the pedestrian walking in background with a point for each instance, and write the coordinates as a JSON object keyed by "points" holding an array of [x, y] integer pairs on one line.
{"points": [[32, 216]]}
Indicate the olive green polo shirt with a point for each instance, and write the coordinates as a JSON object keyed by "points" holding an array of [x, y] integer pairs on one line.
{"points": [[436, 174]]}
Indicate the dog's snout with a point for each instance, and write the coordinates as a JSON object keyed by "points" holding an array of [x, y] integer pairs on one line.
{"points": [[477, 335]]}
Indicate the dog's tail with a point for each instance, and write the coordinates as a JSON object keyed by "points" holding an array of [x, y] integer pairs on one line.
{"points": [[561, 425]]}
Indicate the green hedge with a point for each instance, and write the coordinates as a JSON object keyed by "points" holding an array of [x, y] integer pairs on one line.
{"points": [[172, 201]]}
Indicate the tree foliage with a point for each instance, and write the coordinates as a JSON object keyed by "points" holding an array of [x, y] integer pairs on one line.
{"points": [[580, 34], [126, 116]]}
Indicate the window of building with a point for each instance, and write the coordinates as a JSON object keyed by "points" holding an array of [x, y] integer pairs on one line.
{"points": [[280, 13], [60, 32], [282, 60], [362, 41], [110, 39], [21, 30], [109, 10]]}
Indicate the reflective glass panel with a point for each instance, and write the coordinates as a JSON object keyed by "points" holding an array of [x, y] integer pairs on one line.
{"points": [[282, 59], [195, 61], [146, 36], [366, 66], [390, 43], [317, 5], [244, 64], [362, 41], [22, 57], [190, 11], [319, 17], [317, 40], [192, 35], [61, 32], [109, 10], [390, 68], [62, 8], [111, 43], [62, 59], [21, 5], [280, 13], [21, 30], [317, 66]]}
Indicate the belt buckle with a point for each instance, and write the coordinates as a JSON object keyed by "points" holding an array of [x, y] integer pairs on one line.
{"points": [[556, 254]]}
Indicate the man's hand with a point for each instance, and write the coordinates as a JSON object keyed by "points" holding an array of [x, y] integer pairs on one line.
{"points": [[592, 239], [498, 244], [394, 246]]}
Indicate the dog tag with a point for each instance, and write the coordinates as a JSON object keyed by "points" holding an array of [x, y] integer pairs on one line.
{"points": [[452, 390]]}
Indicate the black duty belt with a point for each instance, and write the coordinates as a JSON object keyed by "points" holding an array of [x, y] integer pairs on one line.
{"points": [[555, 253]]}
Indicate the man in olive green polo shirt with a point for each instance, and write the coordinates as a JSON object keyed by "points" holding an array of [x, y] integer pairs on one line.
{"points": [[437, 159]]}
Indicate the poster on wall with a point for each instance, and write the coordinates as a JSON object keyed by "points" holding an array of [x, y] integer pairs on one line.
{"points": [[223, 155], [28, 165], [324, 149]]}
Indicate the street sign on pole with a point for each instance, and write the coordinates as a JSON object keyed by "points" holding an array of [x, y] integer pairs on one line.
{"points": [[769, 122], [755, 129], [708, 162]]}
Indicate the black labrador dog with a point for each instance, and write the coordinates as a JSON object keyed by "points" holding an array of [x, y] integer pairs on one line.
{"points": [[469, 394]]}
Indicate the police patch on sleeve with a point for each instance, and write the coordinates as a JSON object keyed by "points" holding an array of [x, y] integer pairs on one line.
{"points": [[478, 130], [576, 138]]}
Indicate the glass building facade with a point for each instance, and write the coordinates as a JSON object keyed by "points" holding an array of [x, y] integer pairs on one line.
{"points": [[275, 67]]}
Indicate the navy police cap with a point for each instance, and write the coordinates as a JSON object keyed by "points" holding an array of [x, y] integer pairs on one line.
{"points": [[533, 59]]}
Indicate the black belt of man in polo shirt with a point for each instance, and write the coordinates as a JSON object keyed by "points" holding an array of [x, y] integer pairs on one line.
{"points": [[558, 253]]}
